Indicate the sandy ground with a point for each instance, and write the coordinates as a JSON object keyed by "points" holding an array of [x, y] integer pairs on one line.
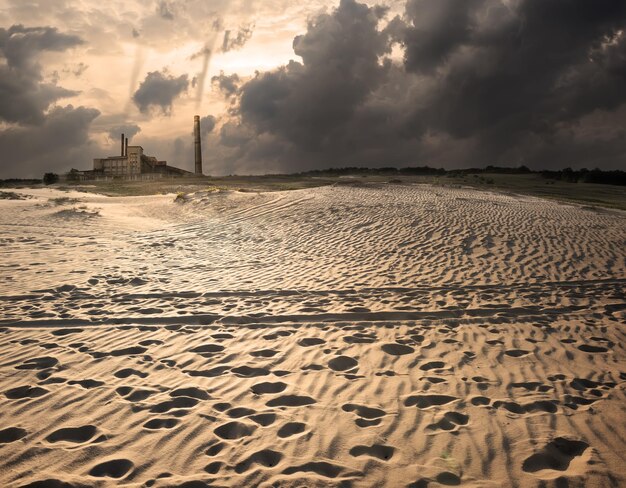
{"points": [[399, 336]]}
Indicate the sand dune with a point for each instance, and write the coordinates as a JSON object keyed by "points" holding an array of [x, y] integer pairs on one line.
{"points": [[398, 336]]}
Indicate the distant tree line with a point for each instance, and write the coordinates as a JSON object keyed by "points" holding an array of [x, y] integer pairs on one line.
{"points": [[616, 177], [584, 175], [587, 176], [9, 182]]}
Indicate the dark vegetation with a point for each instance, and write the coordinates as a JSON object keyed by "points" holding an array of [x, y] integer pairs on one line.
{"points": [[586, 176], [11, 195], [50, 178], [568, 174]]}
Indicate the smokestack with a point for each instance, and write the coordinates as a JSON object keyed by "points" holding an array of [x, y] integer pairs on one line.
{"points": [[197, 144], [126, 148], [122, 145]]}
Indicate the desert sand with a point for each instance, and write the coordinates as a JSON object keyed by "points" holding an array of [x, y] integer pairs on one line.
{"points": [[388, 336]]}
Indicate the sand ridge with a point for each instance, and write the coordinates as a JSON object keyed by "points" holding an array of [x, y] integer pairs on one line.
{"points": [[391, 336]]}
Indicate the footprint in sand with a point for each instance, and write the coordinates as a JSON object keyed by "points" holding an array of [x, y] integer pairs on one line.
{"points": [[74, 435], [367, 416], [159, 424], [234, 430], [264, 353], [214, 467], [321, 468], [238, 412], [548, 406], [277, 334], [208, 373], [361, 338], [128, 351], [516, 353], [268, 388], [379, 451], [557, 455], [450, 422], [248, 372], [134, 395], [64, 332], [116, 468], [342, 363], [592, 349], [176, 403], [215, 449], [266, 458], [291, 401], [291, 429], [480, 401], [208, 349], [12, 434], [191, 392], [222, 335], [263, 419], [311, 341], [433, 365], [39, 363], [397, 349], [532, 386], [427, 401], [448, 479], [434, 380], [47, 379], [87, 384], [582, 384], [25, 391]]}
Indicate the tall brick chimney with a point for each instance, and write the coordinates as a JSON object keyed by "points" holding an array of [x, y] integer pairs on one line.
{"points": [[197, 144]]}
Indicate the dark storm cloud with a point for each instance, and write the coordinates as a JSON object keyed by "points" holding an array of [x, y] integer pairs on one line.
{"points": [[60, 143], [522, 69], [308, 103], [21, 44], [482, 82], [24, 96], [207, 124], [129, 130], [611, 53], [236, 41], [39, 137], [159, 89], [227, 84], [436, 28]]}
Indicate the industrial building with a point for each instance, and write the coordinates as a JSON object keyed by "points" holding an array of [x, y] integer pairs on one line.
{"points": [[133, 164]]}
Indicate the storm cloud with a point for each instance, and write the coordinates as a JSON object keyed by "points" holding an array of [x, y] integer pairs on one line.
{"points": [[39, 136], [129, 130], [24, 97], [324, 83], [59, 143], [159, 90], [227, 84], [481, 82], [207, 124]]}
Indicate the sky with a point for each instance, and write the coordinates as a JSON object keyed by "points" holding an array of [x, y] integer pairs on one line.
{"points": [[292, 85]]}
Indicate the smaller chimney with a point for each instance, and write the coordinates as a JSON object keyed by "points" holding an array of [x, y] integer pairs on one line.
{"points": [[126, 148], [122, 145]]}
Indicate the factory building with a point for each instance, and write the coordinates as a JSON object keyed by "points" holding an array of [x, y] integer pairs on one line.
{"points": [[133, 164]]}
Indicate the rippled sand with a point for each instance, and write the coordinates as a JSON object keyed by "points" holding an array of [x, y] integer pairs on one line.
{"points": [[392, 336]]}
